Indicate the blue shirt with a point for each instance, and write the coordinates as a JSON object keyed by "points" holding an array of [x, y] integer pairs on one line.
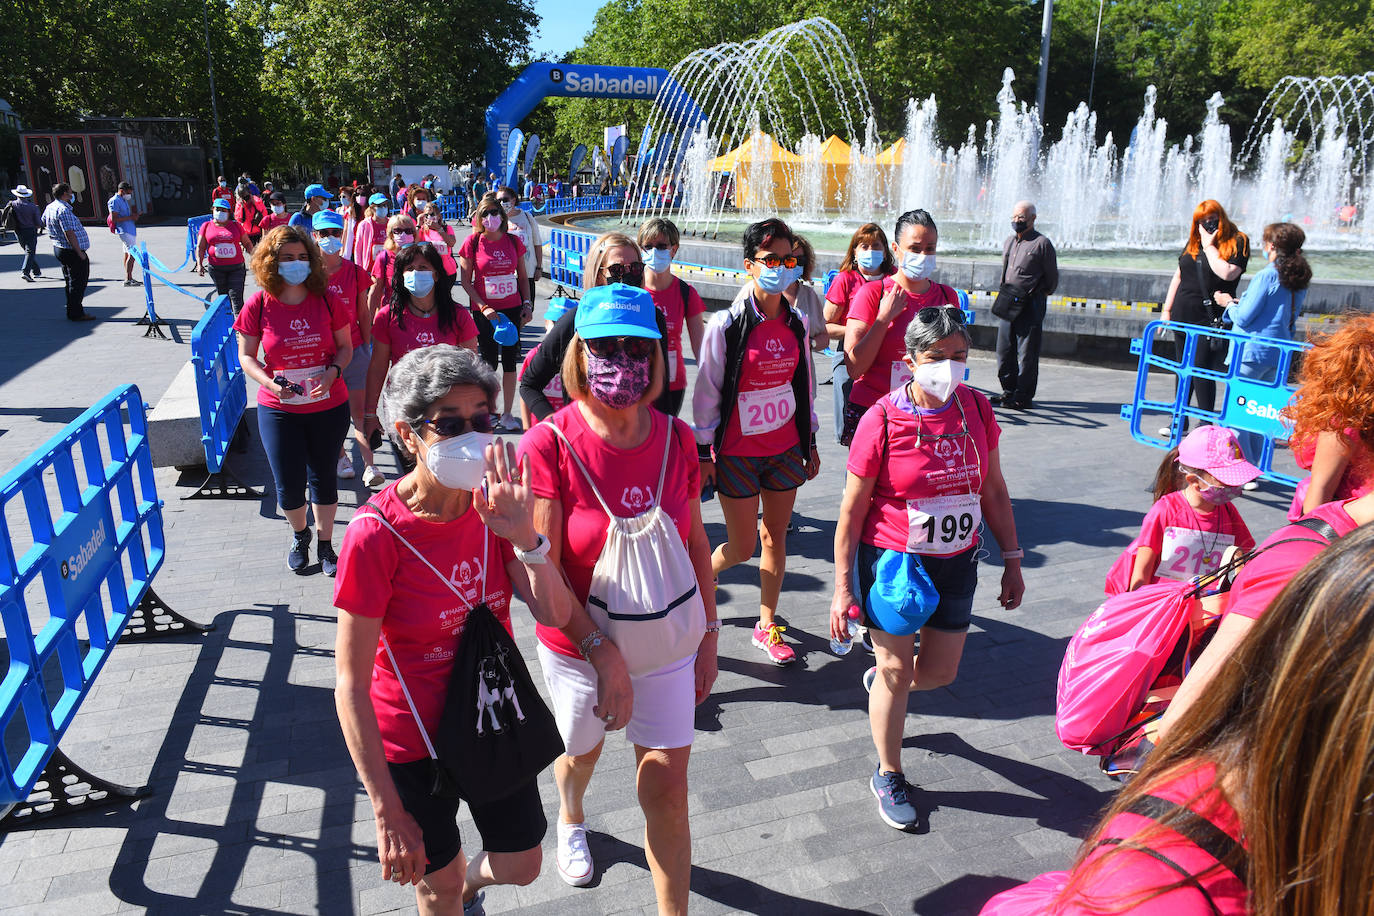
{"points": [[1266, 309], [301, 221], [124, 216], [26, 213], [58, 219]]}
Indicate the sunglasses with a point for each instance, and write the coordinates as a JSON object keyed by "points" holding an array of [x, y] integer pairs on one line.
{"points": [[618, 272], [506, 200], [607, 347], [658, 246], [335, 233], [931, 314], [448, 427], [773, 260]]}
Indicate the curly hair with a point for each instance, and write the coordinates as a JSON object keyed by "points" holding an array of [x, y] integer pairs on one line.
{"points": [[1336, 386], [266, 257]]}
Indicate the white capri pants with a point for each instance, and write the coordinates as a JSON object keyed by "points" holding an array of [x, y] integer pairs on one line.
{"points": [[664, 703]]}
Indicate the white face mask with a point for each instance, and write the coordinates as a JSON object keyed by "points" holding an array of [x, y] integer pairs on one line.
{"points": [[459, 463], [278, 208], [917, 266], [939, 379], [221, 216]]}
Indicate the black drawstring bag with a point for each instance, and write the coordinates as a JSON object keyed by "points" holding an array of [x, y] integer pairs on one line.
{"points": [[496, 734]]}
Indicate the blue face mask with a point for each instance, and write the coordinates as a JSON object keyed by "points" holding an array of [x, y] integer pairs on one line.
{"points": [[869, 258], [330, 244], [293, 272], [657, 259], [419, 282], [774, 280]]}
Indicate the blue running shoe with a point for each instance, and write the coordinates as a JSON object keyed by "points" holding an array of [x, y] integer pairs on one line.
{"points": [[894, 804]]}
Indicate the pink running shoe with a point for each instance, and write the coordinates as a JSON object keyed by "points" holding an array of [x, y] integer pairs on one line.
{"points": [[769, 639]]}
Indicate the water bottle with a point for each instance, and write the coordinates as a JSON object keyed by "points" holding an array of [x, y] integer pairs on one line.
{"points": [[842, 647]]}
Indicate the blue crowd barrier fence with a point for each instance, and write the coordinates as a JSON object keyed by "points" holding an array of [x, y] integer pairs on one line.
{"points": [[567, 252], [81, 539], [222, 395], [1247, 405]]}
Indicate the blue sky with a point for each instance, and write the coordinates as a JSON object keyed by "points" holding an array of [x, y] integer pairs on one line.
{"points": [[562, 25]]}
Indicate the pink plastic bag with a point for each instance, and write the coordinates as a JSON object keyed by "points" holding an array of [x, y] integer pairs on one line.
{"points": [[1119, 576], [1030, 899], [1114, 658]]}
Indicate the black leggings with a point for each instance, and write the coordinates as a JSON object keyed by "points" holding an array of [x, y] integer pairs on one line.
{"points": [[304, 447], [1210, 353], [486, 342]]}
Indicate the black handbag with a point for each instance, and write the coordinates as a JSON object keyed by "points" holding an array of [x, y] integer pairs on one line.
{"points": [[1011, 301], [495, 734]]}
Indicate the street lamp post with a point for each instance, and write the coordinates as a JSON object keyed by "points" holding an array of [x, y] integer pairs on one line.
{"points": [[1044, 61], [214, 103]]}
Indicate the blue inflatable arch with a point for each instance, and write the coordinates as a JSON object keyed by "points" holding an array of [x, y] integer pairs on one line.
{"points": [[575, 81]]}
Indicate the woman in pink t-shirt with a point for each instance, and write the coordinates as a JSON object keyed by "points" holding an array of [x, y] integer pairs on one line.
{"points": [[400, 625], [754, 415], [492, 262], [421, 313], [924, 473], [400, 234], [1257, 801], [224, 241], [610, 453], [370, 236], [868, 258], [680, 304], [306, 343], [873, 348]]}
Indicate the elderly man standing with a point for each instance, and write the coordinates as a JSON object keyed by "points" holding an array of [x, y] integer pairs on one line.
{"points": [[1030, 274], [69, 244]]}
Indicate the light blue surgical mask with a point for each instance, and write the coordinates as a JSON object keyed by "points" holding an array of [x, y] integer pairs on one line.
{"points": [[657, 259], [419, 282], [330, 244], [381, 212], [293, 272], [869, 258], [918, 266], [774, 279]]}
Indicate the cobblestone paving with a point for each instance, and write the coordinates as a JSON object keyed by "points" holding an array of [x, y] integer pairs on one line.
{"points": [[256, 809]]}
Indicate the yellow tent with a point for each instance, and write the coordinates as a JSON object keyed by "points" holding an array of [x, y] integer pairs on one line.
{"points": [[760, 168], [835, 151], [894, 154]]}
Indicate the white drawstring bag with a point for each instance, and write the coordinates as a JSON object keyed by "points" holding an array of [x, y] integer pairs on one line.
{"points": [[644, 592]]}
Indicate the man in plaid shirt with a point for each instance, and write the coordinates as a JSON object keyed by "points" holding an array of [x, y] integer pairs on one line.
{"points": [[69, 244]]}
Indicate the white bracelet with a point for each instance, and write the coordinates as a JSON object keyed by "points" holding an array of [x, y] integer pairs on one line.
{"points": [[1016, 554]]}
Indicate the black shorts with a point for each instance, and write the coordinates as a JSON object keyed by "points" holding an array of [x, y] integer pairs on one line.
{"points": [[955, 579], [512, 824]]}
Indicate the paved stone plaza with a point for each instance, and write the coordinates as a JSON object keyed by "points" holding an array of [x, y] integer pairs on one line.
{"points": [[255, 806]]}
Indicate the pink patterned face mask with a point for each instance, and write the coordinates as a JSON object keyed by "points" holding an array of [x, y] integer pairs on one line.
{"points": [[618, 381]]}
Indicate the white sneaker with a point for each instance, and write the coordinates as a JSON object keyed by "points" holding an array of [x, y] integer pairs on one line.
{"points": [[1250, 486], [510, 423], [373, 479], [1166, 432], [574, 858], [346, 471]]}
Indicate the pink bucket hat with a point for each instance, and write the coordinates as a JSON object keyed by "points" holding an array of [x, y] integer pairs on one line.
{"points": [[1214, 449]]}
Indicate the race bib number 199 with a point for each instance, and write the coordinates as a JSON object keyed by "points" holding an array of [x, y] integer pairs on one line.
{"points": [[943, 525]]}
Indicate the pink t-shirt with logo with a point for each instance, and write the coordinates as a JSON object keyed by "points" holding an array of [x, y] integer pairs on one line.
{"points": [[383, 268], [350, 284], [627, 478], [295, 338], [763, 421], [422, 619], [844, 288], [1264, 577], [495, 267], [553, 390], [414, 332], [367, 242], [888, 370], [440, 243], [1190, 543], [675, 314], [223, 242], [949, 461]]}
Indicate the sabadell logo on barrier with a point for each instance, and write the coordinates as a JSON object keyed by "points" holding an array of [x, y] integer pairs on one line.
{"points": [[1256, 409], [73, 565], [637, 85]]}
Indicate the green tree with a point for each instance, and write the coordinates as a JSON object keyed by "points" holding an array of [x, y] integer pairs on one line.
{"points": [[1266, 40]]}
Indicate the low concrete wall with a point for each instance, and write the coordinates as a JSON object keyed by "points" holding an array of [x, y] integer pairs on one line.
{"points": [[174, 424]]}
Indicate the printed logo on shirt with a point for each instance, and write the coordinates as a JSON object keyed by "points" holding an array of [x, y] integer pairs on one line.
{"points": [[424, 339], [439, 654], [949, 450], [775, 348], [468, 577], [637, 499], [300, 325]]}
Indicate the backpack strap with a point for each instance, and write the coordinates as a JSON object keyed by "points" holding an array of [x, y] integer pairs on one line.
{"points": [[376, 514], [582, 467]]}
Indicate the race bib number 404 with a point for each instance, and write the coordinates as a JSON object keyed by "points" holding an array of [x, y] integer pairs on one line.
{"points": [[943, 525]]}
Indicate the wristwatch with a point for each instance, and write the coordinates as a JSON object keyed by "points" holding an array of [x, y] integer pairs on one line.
{"points": [[537, 554]]}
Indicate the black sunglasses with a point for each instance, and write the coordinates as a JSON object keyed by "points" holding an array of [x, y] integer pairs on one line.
{"points": [[618, 272], [506, 200], [336, 233], [773, 260], [448, 427], [931, 314], [607, 347]]}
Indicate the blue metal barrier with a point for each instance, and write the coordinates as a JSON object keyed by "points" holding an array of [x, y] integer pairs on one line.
{"points": [[149, 318], [830, 276], [222, 393], [192, 238], [1247, 404], [84, 564], [567, 252], [453, 206]]}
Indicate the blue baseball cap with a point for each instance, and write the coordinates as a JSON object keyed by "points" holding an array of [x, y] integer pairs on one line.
{"points": [[618, 310], [558, 307], [327, 219], [317, 190], [378, 198], [221, 203]]}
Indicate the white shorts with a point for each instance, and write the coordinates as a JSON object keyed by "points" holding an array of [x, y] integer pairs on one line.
{"points": [[664, 708], [129, 239]]}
